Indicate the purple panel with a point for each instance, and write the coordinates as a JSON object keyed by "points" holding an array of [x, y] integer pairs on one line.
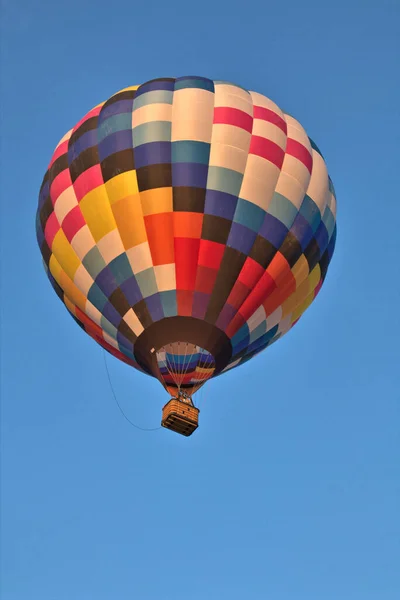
{"points": [[241, 238], [131, 291], [226, 316], [156, 84], [116, 108], [153, 153], [189, 175], [39, 233], [87, 140], [120, 140], [154, 307], [44, 193], [111, 314], [106, 281], [123, 341], [321, 237], [302, 231], [220, 204], [200, 303], [273, 230]]}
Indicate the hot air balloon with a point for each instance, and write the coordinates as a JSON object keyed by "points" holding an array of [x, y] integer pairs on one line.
{"points": [[186, 224]]}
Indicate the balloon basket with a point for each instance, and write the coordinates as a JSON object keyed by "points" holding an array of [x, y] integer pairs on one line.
{"points": [[180, 417]]}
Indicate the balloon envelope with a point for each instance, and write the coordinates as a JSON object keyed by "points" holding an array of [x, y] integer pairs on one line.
{"points": [[186, 224]]}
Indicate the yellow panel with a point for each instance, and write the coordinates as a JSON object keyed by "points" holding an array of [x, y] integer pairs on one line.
{"points": [[129, 220], [65, 254], [97, 212], [300, 270], [314, 277], [296, 299], [302, 308], [121, 186], [75, 296], [55, 269], [128, 89], [158, 200], [71, 307]]}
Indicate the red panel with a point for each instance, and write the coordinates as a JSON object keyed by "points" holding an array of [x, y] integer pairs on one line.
{"points": [[92, 113], [88, 181], [59, 185], [73, 222], [265, 114], [185, 302], [90, 325], [294, 148], [261, 291], [278, 297], [62, 149], [237, 322], [267, 149], [238, 295], [210, 254], [51, 228], [318, 288], [205, 279], [186, 259], [281, 273], [233, 116], [251, 273]]}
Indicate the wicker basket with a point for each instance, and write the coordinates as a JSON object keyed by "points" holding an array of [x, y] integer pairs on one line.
{"points": [[180, 417]]}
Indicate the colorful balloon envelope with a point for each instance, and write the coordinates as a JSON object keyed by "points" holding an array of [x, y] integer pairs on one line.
{"points": [[186, 224]]}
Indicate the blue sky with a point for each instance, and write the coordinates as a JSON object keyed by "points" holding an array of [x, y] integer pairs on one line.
{"points": [[299, 501]]}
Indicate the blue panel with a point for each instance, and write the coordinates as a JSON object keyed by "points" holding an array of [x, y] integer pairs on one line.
{"points": [[87, 140], [114, 124], [220, 204], [131, 291], [182, 83], [241, 238], [156, 84], [189, 175], [273, 230], [121, 268], [168, 301], [97, 297], [281, 208], [154, 153], [106, 281], [310, 212], [188, 151], [248, 214], [111, 314], [154, 307]]}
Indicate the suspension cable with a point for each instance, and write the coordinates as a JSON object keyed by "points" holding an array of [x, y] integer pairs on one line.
{"points": [[118, 404]]}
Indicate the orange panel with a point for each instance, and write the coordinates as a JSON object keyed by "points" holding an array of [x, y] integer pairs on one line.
{"points": [[188, 224], [160, 237]]}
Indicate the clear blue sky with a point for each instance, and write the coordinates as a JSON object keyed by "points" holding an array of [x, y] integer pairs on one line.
{"points": [[301, 500]]}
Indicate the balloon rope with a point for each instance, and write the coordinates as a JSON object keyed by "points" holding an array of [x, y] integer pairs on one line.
{"points": [[168, 368], [118, 404]]}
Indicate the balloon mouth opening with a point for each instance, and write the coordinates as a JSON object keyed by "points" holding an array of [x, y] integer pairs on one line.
{"points": [[184, 336], [184, 366]]}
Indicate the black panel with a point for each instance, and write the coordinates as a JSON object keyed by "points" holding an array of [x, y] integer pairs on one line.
{"points": [[189, 199], [216, 229], [154, 176], [117, 163]]}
